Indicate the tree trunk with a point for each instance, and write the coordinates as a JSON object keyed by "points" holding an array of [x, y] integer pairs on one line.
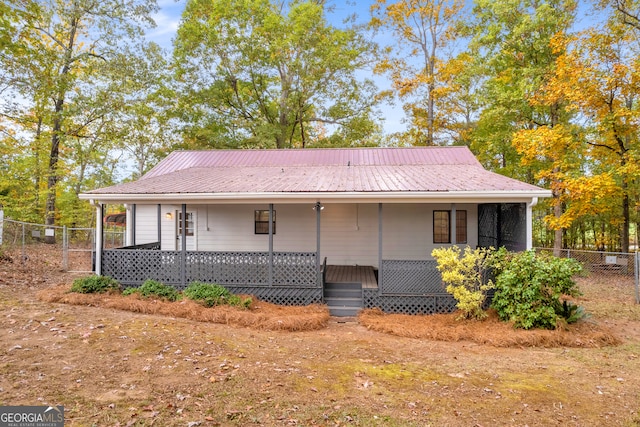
{"points": [[52, 176]]}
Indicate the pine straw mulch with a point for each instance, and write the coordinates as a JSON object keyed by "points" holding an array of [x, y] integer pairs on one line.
{"points": [[490, 331], [266, 316], [260, 315]]}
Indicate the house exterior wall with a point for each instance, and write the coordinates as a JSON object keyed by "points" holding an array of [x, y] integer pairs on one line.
{"points": [[349, 231], [408, 229], [146, 224]]}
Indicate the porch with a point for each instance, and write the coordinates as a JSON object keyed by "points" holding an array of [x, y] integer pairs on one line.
{"points": [[287, 278]]}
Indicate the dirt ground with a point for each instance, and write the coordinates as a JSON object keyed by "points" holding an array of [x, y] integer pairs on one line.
{"points": [[111, 367]]}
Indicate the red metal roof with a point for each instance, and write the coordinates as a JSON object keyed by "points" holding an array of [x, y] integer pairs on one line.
{"points": [[327, 171], [179, 160]]}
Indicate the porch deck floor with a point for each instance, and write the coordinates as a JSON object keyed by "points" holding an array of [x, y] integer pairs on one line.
{"points": [[351, 274]]}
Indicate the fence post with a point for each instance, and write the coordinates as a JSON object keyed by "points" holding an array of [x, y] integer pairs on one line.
{"points": [[637, 270], [23, 257], [65, 249]]}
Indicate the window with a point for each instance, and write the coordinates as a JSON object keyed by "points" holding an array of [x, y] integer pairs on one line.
{"points": [[262, 222], [189, 223], [442, 226]]}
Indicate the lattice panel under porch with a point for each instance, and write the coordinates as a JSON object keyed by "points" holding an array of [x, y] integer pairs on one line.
{"points": [[411, 277], [409, 304], [281, 295]]}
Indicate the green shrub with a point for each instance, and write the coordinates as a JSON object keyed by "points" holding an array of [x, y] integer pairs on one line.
{"points": [[210, 295], [464, 274], [529, 288], [94, 284], [154, 288]]}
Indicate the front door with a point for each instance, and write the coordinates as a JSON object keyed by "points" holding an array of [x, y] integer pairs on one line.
{"points": [[190, 231]]}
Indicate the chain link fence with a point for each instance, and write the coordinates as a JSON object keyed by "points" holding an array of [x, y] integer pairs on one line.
{"points": [[28, 243], [614, 264]]}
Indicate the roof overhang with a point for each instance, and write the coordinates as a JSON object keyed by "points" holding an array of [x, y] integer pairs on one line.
{"points": [[341, 197]]}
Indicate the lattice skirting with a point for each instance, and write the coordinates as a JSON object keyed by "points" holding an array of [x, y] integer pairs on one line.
{"points": [[409, 304], [281, 295]]}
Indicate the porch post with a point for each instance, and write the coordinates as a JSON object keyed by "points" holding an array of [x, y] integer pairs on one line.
{"points": [[270, 244], [529, 219], [159, 225], [380, 248], [454, 234], [318, 209], [133, 224], [183, 258], [99, 238]]}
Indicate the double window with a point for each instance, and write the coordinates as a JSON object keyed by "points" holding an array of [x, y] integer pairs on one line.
{"points": [[442, 226], [262, 222]]}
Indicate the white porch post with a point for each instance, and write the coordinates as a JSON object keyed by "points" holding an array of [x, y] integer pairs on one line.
{"points": [[529, 219], [128, 237], [99, 238]]}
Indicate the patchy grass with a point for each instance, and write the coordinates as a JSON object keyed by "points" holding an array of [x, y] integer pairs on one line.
{"points": [[112, 367]]}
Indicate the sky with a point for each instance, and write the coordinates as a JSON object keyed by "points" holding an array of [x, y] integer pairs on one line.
{"points": [[168, 19]]}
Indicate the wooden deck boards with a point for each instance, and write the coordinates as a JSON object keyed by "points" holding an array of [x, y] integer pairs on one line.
{"points": [[351, 274]]}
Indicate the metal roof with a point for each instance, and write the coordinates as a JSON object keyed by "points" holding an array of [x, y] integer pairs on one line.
{"points": [[329, 173]]}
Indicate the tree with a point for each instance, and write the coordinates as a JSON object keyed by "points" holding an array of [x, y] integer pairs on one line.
{"points": [[60, 48], [605, 74], [516, 40], [427, 27], [269, 74], [627, 10]]}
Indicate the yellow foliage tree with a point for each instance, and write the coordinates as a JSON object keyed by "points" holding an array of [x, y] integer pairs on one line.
{"points": [[425, 27]]}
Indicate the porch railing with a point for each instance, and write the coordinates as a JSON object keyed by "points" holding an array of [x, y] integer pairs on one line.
{"points": [[408, 277], [134, 266]]}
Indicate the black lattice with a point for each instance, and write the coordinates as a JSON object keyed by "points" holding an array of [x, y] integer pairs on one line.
{"points": [[132, 267], [411, 277], [409, 304], [281, 295]]}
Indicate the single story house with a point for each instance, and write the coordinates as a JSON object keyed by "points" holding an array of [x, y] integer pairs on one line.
{"points": [[351, 227]]}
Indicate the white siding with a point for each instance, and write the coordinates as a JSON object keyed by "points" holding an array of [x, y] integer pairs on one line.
{"points": [[350, 234], [408, 229], [146, 224], [349, 231]]}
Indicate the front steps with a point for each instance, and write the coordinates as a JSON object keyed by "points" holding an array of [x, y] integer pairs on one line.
{"points": [[343, 299]]}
